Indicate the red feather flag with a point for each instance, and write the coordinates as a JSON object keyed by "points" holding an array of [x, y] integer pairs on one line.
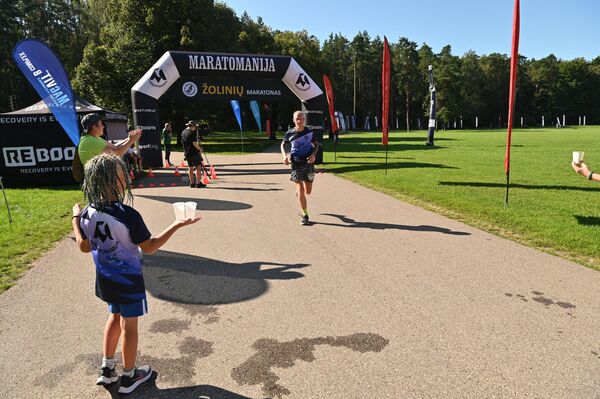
{"points": [[329, 94], [385, 90], [514, 64]]}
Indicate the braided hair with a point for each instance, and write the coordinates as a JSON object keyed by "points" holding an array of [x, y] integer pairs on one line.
{"points": [[101, 182]]}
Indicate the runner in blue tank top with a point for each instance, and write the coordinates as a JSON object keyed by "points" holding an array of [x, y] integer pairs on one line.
{"points": [[303, 147]]}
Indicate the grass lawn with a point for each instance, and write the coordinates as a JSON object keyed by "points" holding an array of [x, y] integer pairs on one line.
{"points": [[41, 217], [550, 207]]}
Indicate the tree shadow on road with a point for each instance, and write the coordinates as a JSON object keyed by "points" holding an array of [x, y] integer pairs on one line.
{"points": [[150, 390], [188, 279], [349, 222], [203, 204]]}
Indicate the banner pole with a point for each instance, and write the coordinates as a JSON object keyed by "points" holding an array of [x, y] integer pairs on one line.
{"points": [[7, 207], [507, 186], [335, 151], [386, 158]]}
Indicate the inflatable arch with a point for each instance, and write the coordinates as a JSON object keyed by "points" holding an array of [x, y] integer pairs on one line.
{"points": [[220, 77]]}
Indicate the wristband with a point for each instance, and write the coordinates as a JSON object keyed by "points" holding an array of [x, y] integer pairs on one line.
{"points": [[76, 216], [589, 176]]}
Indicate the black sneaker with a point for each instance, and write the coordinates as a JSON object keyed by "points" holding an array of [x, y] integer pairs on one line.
{"points": [[140, 375], [193, 185], [200, 185], [305, 221], [107, 376]]}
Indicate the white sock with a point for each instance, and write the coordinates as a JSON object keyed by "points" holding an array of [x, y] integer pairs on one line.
{"points": [[128, 373], [108, 362]]}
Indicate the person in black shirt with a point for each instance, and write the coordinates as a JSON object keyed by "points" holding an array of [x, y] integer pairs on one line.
{"points": [[191, 151]]}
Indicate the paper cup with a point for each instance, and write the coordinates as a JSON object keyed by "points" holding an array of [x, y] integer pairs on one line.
{"points": [[179, 208], [190, 210], [577, 157]]}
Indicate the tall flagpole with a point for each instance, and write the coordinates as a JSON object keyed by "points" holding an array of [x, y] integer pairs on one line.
{"points": [[514, 64], [385, 91], [431, 125]]}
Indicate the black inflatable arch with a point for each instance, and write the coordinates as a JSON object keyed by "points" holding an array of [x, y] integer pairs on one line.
{"points": [[218, 76]]}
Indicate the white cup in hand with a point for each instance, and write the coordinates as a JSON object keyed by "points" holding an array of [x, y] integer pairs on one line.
{"points": [[190, 210], [577, 157], [179, 208]]}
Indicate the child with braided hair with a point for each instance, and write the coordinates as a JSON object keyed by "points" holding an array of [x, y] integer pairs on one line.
{"points": [[114, 233]]}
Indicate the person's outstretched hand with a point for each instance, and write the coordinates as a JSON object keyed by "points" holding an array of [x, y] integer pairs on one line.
{"points": [[581, 168], [134, 135], [186, 222], [286, 160]]}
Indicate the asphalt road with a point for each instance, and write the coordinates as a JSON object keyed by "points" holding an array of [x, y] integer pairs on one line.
{"points": [[377, 299]]}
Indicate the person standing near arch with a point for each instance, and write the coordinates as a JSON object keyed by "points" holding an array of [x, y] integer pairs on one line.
{"points": [[302, 155], [167, 134], [192, 152]]}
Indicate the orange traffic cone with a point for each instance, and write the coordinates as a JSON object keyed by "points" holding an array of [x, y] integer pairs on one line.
{"points": [[131, 175], [182, 164], [176, 171], [213, 174], [167, 164], [150, 172], [205, 179]]}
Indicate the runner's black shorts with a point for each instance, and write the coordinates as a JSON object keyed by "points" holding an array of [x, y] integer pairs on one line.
{"points": [[194, 159], [302, 171]]}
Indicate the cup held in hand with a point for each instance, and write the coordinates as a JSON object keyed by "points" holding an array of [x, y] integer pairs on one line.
{"points": [[179, 208], [190, 210], [577, 157]]}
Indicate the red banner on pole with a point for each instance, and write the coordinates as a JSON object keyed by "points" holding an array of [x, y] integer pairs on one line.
{"points": [[329, 94], [385, 89], [514, 64]]}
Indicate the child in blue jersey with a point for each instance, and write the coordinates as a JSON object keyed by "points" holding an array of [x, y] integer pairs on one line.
{"points": [[304, 146], [114, 233]]}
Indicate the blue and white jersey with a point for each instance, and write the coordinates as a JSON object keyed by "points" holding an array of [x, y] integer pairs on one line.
{"points": [[114, 234], [302, 143]]}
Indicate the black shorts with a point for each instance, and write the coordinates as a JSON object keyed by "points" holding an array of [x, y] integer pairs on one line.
{"points": [[302, 171], [194, 159]]}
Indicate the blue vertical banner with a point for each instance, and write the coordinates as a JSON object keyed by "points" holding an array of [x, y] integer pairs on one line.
{"points": [[238, 115], [256, 112], [236, 110], [47, 75]]}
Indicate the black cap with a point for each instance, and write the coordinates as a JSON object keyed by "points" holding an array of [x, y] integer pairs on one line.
{"points": [[90, 120]]}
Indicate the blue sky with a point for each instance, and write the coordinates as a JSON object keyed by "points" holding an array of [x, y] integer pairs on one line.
{"points": [[565, 28]]}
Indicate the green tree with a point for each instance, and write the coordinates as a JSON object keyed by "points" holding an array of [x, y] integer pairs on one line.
{"points": [[426, 58], [472, 93], [575, 89], [10, 77], [305, 49], [138, 32], [448, 85], [406, 66], [255, 37], [545, 76], [496, 69]]}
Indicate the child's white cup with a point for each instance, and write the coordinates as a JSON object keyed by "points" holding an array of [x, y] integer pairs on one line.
{"points": [[179, 208], [577, 157], [190, 210]]}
